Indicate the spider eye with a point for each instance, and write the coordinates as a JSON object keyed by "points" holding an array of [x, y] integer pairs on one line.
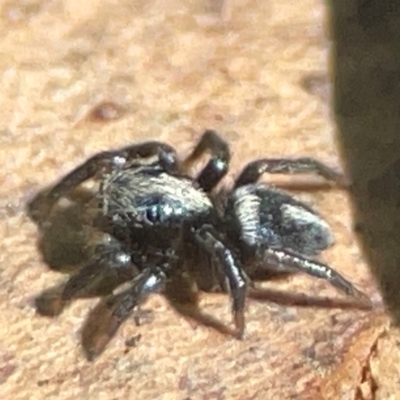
{"points": [[153, 213], [159, 209]]}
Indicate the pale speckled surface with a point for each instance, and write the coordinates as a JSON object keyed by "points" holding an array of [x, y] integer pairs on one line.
{"points": [[177, 68]]}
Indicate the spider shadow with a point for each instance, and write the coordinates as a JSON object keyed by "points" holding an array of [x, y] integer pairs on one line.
{"points": [[62, 242], [284, 298]]}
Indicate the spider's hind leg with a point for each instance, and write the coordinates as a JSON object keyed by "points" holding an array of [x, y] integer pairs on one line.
{"points": [[253, 171], [286, 261]]}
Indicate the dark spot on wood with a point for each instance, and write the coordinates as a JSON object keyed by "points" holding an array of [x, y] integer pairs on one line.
{"points": [[317, 84], [133, 341], [6, 371], [106, 111]]}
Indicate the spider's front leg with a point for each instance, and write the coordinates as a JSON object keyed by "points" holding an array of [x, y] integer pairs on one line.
{"points": [[253, 171], [41, 206], [229, 266], [286, 261], [112, 311], [111, 266], [217, 166]]}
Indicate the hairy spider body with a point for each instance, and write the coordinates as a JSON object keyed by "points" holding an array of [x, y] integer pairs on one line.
{"points": [[136, 201], [162, 231]]}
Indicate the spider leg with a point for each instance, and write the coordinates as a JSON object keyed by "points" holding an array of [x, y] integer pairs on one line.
{"points": [[100, 277], [252, 172], [111, 267], [101, 163], [183, 295], [217, 166], [207, 237], [285, 261], [112, 311]]}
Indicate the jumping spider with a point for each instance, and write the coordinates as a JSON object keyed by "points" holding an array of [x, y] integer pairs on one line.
{"points": [[163, 231]]}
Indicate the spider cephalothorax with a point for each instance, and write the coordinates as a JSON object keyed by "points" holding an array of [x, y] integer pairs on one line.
{"points": [[163, 231]]}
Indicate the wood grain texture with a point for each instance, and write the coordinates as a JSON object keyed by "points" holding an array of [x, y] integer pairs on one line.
{"points": [[80, 77]]}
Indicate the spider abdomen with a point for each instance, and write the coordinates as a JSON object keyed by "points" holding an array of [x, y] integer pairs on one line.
{"points": [[294, 224], [271, 217]]}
